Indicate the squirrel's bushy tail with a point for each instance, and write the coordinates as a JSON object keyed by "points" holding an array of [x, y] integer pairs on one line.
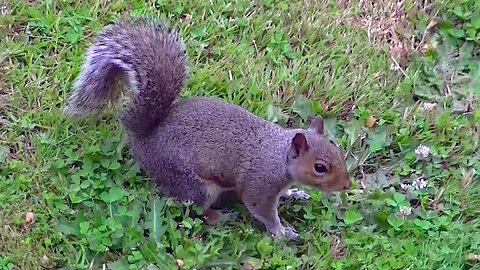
{"points": [[152, 61]]}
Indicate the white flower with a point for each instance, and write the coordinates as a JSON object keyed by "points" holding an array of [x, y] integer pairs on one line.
{"points": [[419, 184], [422, 151], [405, 186], [405, 211]]}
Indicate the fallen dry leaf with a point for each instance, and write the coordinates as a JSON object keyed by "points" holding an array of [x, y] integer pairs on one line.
{"points": [[431, 24], [473, 257], [370, 121], [338, 248], [466, 179], [30, 218]]}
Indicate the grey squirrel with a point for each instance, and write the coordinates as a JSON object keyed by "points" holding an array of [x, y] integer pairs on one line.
{"points": [[196, 148]]}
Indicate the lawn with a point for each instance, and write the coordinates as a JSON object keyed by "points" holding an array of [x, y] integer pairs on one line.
{"points": [[397, 84]]}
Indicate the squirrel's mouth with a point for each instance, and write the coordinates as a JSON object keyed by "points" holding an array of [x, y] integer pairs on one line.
{"points": [[332, 188]]}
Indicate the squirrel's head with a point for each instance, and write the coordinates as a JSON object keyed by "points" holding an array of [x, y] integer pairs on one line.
{"points": [[316, 161]]}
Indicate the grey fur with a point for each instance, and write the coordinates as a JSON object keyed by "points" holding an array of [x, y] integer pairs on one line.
{"points": [[150, 58], [197, 148]]}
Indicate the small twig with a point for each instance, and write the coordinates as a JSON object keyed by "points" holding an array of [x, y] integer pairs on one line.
{"points": [[405, 113], [256, 48], [398, 66], [368, 29], [362, 182], [448, 92]]}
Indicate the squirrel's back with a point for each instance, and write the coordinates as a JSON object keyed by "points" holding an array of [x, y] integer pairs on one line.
{"points": [[212, 135], [146, 56]]}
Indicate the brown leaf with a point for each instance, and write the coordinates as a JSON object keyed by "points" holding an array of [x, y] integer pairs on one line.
{"points": [[30, 218], [338, 248], [324, 103], [370, 121], [431, 24], [466, 179]]}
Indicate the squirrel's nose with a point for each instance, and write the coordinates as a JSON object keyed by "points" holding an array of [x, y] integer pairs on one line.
{"points": [[348, 185]]}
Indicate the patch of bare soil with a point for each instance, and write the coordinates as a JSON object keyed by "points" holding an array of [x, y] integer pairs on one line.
{"points": [[388, 22]]}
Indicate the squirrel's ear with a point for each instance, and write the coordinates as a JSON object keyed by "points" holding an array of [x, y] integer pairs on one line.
{"points": [[299, 146], [317, 125]]}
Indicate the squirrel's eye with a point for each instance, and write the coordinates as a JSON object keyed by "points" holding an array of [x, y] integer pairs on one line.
{"points": [[320, 168]]}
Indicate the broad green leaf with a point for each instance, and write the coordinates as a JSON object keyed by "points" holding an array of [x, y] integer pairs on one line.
{"points": [[409, 246], [149, 250], [84, 227], [390, 202], [116, 194], [303, 107], [114, 165], [156, 219], [264, 246], [68, 228], [476, 22], [198, 32], [121, 264], [455, 32], [87, 166], [113, 195], [352, 216], [458, 11], [352, 128], [395, 222], [135, 257], [445, 24], [85, 184], [105, 163], [424, 224], [377, 139], [381, 218], [399, 198], [134, 213], [331, 129]]}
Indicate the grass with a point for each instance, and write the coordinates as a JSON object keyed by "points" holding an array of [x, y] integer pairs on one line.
{"points": [[285, 61]]}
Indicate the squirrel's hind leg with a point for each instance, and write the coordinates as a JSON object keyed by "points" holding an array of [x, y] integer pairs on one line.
{"points": [[186, 186]]}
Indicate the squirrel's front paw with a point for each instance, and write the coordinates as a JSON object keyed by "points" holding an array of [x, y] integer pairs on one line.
{"points": [[296, 194], [291, 233], [285, 232]]}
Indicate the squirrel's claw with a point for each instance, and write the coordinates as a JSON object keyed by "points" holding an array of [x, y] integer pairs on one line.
{"points": [[291, 233], [286, 232], [295, 194]]}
